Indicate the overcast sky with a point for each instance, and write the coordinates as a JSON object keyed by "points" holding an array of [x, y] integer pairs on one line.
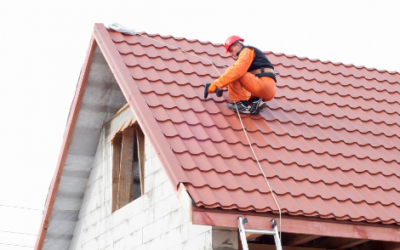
{"points": [[43, 45]]}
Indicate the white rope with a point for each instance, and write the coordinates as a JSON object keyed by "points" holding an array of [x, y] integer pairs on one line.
{"points": [[255, 156], [259, 166]]}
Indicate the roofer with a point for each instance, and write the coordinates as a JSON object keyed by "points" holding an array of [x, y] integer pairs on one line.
{"points": [[250, 79]]}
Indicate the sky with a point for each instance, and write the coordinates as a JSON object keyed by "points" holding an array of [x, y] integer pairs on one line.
{"points": [[43, 45]]}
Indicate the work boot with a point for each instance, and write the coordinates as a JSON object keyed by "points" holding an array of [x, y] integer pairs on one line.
{"points": [[257, 106], [243, 107]]}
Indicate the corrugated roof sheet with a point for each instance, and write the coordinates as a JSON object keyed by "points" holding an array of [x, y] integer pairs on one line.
{"points": [[328, 141]]}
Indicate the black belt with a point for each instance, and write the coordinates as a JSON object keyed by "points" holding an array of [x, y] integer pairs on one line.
{"points": [[268, 74]]}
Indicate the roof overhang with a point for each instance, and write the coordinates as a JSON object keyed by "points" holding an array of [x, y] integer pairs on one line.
{"points": [[290, 224]]}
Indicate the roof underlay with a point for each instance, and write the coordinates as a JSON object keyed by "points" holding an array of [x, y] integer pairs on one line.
{"points": [[101, 100], [328, 141]]}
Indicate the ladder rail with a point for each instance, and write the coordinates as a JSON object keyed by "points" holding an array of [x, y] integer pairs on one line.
{"points": [[243, 231]]}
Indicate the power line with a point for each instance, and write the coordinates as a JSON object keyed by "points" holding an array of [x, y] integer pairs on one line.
{"points": [[15, 245], [17, 233], [28, 208]]}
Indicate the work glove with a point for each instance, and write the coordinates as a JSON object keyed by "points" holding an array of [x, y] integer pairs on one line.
{"points": [[212, 88]]}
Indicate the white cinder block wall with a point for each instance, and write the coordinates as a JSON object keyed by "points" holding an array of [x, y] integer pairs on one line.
{"points": [[156, 220]]}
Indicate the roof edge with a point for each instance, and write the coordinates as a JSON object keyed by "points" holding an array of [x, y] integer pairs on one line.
{"points": [[313, 226], [69, 131], [139, 106]]}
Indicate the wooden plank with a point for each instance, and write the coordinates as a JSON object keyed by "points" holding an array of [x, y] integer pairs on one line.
{"points": [[254, 246], [141, 156], [298, 239], [185, 200], [298, 226], [116, 156], [126, 175]]}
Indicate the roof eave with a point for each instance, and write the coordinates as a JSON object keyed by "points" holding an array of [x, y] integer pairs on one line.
{"points": [[296, 225]]}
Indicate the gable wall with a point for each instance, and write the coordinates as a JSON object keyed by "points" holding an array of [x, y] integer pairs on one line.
{"points": [[156, 220]]}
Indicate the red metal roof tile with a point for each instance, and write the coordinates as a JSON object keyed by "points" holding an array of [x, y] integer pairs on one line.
{"points": [[328, 142]]}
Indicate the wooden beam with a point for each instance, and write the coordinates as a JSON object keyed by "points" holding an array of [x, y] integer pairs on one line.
{"points": [[375, 245], [141, 156], [252, 236], [254, 246], [350, 243], [329, 228], [297, 239], [185, 200], [337, 243], [126, 174], [116, 156]]}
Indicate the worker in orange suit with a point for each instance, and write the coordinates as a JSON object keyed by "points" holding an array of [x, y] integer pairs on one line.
{"points": [[250, 79]]}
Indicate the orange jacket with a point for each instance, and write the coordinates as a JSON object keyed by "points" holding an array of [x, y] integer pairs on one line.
{"points": [[237, 70]]}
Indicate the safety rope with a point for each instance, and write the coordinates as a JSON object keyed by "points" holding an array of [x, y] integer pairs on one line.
{"points": [[259, 166], [244, 130]]}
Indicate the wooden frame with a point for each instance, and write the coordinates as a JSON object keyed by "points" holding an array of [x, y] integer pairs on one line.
{"points": [[125, 145]]}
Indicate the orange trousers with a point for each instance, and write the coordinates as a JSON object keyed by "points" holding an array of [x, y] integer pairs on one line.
{"points": [[263, 87]]}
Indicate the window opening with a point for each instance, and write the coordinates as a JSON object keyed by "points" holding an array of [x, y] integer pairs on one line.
{"points": [[128, 159]]}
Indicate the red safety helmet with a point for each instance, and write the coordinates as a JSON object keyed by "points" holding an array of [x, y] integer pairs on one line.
{"points": [[231, 40]]}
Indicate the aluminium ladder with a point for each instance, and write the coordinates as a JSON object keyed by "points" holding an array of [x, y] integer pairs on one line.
{"points": [[243, 232]]}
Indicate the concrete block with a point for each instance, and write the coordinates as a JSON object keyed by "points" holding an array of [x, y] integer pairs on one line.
{"points": [[176, 247], [119, 216], [148, 166], [148, 200], [87, 234], [120, 231], [158, 194], [224, 239], [134, 239], [120, 244], [136, 222], [135, 207], [168, 190], [195, 243], [148, 232], [161, 209], [185, 231], [173, 219], [90, 245], [149, 183], [172, 237], [159, 227], [195, 230]]}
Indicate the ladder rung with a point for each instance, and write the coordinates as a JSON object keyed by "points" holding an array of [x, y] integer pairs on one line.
{"points": [[252, 231]]}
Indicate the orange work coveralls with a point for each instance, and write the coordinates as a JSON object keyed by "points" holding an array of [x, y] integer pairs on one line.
{"points": [[239, 81]]}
